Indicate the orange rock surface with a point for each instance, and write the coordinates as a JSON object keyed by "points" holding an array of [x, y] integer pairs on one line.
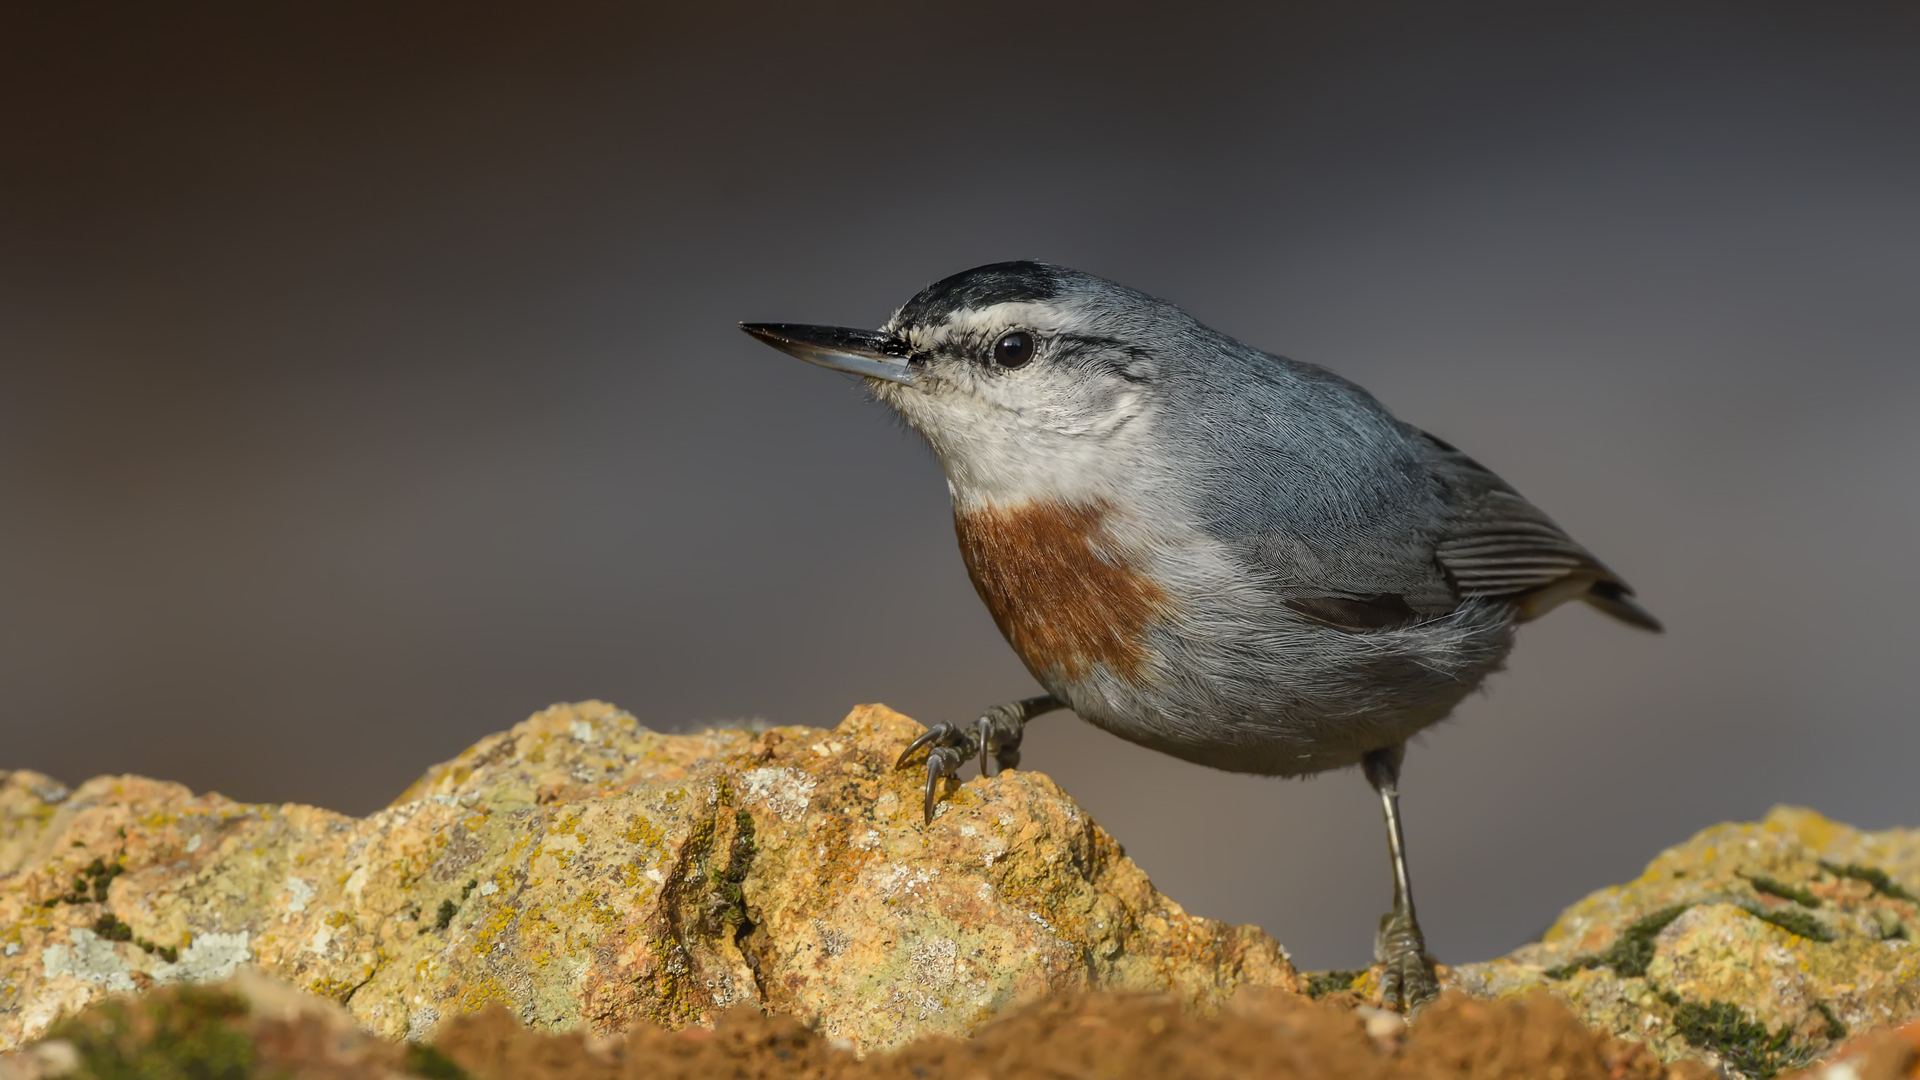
{"points": [[585, 872]]}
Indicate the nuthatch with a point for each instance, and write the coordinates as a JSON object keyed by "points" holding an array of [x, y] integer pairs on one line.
{"points": [[1235, 558]]}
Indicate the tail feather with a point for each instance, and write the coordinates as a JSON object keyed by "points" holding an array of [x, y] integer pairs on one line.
{"points": [[1617, 600]]}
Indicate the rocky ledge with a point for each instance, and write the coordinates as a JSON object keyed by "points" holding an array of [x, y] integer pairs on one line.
{"points": [[582, 873], [586, 872], [1756, 947]]}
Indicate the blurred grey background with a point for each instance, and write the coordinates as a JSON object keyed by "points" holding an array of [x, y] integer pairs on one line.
{"points": [[369, 379]]}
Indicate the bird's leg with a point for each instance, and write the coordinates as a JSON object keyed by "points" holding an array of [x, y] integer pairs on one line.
{"points": [[1001, 727], [995, 737], [1408, 981]]}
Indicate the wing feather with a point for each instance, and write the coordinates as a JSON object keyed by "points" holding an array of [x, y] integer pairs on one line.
{"points": [[1360, 521], [1497, 544]]}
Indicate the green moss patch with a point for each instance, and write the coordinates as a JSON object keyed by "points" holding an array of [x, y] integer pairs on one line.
{"points": [[1743, 1043], [1835, 1029], [430, 1064], [443, 918], [1631, 952], [1321, 983], [1771, 887], [90, 884], [1874, 877], [1794, 922], [727, 900], [187, 1035], [110, 927]]}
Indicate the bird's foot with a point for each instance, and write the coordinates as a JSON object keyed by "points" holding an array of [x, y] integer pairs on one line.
{"points": [[1407, 981], [995, 737], [948, 747], [999, 731]]}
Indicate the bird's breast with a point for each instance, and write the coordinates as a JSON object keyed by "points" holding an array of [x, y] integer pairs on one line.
{"points": [[1059, 586]]}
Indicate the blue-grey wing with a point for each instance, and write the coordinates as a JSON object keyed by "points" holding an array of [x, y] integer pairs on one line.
{"points": [[1323, 498], [1359, 520], [1497, 544]]}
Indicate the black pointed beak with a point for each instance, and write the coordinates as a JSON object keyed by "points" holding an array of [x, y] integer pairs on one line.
{"points": [[862, 352]]}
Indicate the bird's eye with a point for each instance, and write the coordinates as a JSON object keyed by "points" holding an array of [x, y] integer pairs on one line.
{"points": [[1013, 350]]}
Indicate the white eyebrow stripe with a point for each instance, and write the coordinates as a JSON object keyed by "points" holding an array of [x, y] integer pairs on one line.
{"points": [[973, 324]]}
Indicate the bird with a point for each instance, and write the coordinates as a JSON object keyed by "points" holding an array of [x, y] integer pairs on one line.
{"points": [[1238, 559]]}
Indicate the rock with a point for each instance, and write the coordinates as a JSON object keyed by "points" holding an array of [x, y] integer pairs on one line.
{"points": [[1881, 1054], [243, 1027], [251, 1028], [585, 872], [1755, 947]]}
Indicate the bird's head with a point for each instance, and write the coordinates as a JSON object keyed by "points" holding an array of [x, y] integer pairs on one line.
{"points": [[1028, 380]]}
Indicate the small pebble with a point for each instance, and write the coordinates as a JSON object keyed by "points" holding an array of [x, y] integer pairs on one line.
{"points": [[1384, 1027]]}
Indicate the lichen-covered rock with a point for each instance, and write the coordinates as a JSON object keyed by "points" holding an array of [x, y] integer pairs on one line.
{"points": [[1880, 1054], [1753, 946], [250, 1028], [586, 872], [245, 1027]]}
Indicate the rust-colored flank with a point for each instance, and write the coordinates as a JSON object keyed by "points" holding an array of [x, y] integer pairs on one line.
{"points": [[1062, 600]]}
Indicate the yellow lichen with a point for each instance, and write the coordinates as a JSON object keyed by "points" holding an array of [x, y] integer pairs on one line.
{"points": [[642, 832], [482, 992]]}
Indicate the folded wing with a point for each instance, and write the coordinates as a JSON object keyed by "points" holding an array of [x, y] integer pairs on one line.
{"points": [[1495, 543]]}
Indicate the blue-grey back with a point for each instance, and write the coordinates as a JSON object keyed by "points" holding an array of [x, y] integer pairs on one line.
{"points": [[1312, 482]]}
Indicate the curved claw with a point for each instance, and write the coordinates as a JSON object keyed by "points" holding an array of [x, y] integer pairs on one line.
{"points": [[948, 747], [995, 736], [989, 748], [939, 732], [942, 762]]}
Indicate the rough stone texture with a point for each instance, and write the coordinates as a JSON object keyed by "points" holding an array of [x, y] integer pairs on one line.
{"points": [[244, 1027], [249, 1028], [1881, 1054], [586, 872], [1720, 981]]}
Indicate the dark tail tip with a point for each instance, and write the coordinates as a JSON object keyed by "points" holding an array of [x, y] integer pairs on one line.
{"points": [[1617, 600]]}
